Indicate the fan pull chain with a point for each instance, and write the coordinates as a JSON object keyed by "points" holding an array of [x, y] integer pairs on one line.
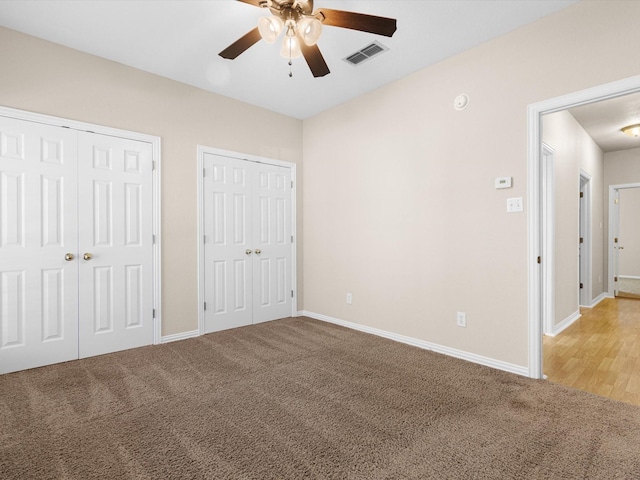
{"points": [[290, 62]]}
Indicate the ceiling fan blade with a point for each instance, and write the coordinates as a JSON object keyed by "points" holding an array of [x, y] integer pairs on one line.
{"points": [[240, 45], [255, 3], [314, 59], [358, 21]]}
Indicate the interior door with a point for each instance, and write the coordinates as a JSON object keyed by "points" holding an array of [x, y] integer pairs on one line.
{"points": [[76, 249], [115, 244], [581, 253], [616, 240], [247, 244], [628, 251], [272, 243], [228, 246], [38, 242]]}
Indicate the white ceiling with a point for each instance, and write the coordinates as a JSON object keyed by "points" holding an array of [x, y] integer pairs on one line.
{"points": [[603, 121], [181, 40]]}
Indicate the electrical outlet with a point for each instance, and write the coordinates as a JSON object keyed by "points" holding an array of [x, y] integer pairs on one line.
{"points": [[461, 319], [349, 299]]}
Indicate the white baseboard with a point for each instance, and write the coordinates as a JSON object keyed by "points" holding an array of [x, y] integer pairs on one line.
{"points": [[452, 352], [632, 277], [179, 336], [565, 323], [599, 298]]}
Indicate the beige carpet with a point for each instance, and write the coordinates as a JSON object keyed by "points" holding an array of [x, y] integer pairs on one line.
{"points": [[302, 399]]}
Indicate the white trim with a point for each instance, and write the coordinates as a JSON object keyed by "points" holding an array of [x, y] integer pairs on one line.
{"points": [[565, 323], [451, 352], [534, 112], [613, 227], [598, 299], [548, 237], [156, 177], [200, 237], [180, 336], [585, 296], [157, 250], [201, 150], [631, 277]]}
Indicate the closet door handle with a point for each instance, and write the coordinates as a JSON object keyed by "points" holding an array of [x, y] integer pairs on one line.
{"points": [[87, 256], [258, 251], [69, 256], [247, 251]]}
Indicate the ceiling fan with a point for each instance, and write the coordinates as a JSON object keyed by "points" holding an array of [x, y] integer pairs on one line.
{"points": [[302, 27]]}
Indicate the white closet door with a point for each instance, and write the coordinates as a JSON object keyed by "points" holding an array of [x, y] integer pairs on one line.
{"points": [[272, 243], [247, 246], [228, 248], [115, 244], [38, 228]]}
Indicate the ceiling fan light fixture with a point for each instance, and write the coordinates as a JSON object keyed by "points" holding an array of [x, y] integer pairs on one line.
{"points": [[270, 28], [290, 48], [632, 130], [310, 29]]}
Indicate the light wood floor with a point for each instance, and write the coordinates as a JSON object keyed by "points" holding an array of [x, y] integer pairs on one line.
{"points": [[600, 352]]}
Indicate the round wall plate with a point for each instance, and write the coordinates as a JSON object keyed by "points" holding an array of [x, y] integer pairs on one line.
{"points": [[461, 101]]}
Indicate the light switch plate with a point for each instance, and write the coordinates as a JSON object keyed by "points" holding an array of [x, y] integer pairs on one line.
{"points": [[514, 204]]}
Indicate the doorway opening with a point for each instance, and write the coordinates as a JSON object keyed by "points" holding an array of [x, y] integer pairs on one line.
{"points": [[624, 245], [540, 246]]}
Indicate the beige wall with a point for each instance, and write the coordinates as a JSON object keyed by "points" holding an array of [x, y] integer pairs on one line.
{"points": [[46, 78], [574, 151], [620, 168], [400, 208]]}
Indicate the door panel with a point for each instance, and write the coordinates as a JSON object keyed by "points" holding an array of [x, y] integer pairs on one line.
{"points": [[227, 210], [247, 208], [272, 237], [115, 244], [628, 251], [38, 227], [616, 244]]}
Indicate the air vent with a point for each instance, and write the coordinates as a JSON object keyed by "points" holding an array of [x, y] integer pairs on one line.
{"points": [[366, 53]]}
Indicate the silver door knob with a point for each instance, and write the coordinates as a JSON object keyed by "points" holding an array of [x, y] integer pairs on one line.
{"points": [[69, 256], [258, 251], [247, 251], [87, 256]]}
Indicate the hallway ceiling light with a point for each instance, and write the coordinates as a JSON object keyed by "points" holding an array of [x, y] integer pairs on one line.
{"points": [[632, 130]]}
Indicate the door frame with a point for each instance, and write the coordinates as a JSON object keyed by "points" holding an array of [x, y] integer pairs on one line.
{"points": [[585, 295], [548, 213], [202, 150], [614, 224], [156, 176], [537, 301]]}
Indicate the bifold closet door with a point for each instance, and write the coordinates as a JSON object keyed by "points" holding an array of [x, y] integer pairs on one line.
{"points": [[271, 228], [115, 244], [76, 244], [247, 244], [38, 245]]}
